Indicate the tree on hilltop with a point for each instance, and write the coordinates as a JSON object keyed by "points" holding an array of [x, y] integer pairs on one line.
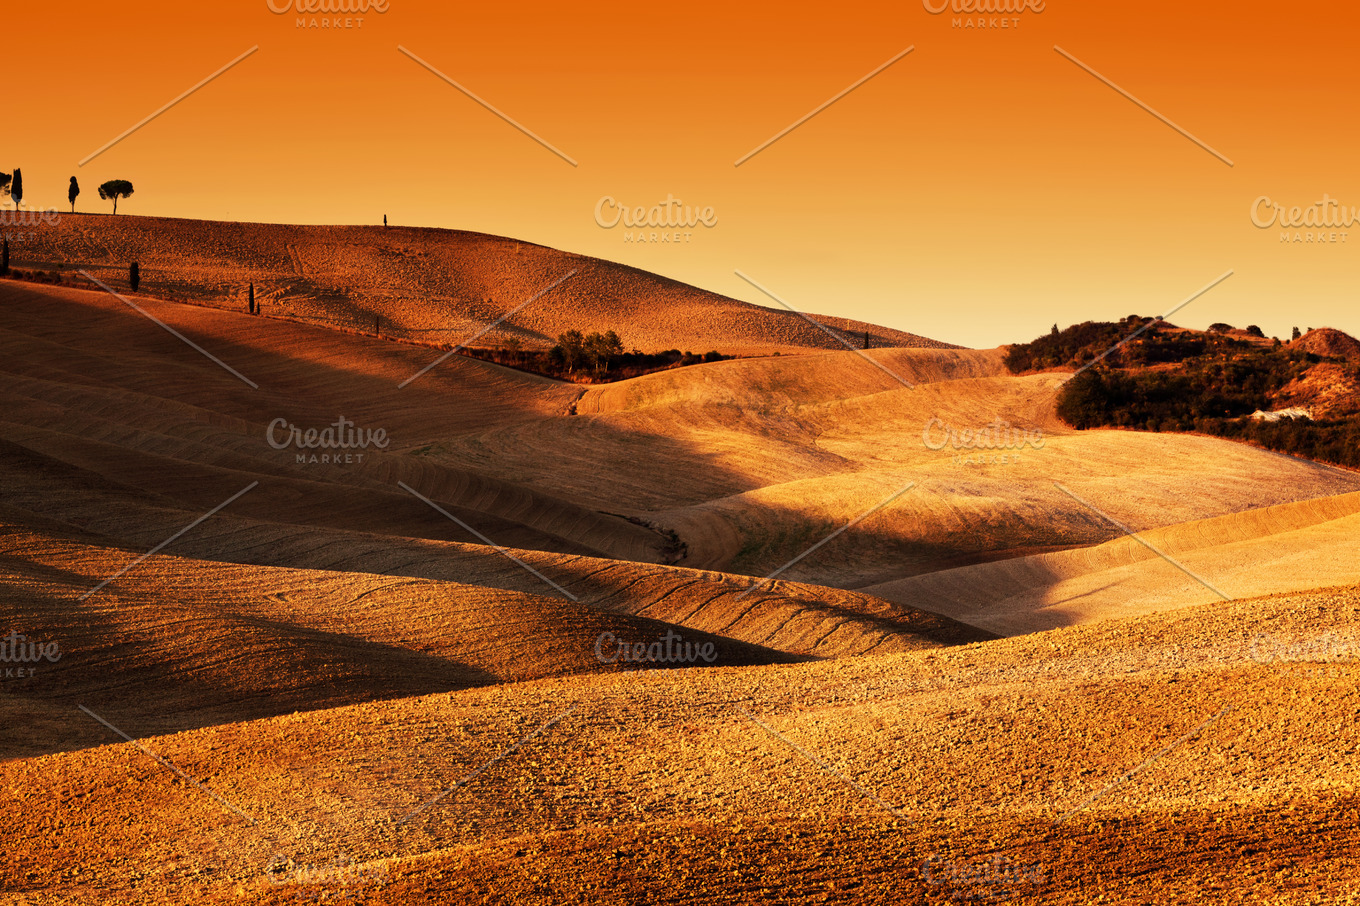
{"points": [[115, 189], [72, 192]]}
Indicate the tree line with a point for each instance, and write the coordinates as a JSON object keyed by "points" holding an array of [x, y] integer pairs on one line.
{"points": [[12, 185], [1209, 383], [588, 358]]}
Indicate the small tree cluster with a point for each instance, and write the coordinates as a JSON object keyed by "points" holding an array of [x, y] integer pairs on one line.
{"points": [[587, 358], [596, 350], [13, 186]]}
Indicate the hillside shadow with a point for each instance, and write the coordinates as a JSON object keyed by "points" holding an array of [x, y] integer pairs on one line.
{"points": [[145, 688], [313, 392], [328, 388]]}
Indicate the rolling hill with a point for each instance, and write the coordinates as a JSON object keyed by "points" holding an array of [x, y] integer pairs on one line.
{"points": [[1156, 759], [330, 616], [101, 392], [1255, 552], [430, 285]]}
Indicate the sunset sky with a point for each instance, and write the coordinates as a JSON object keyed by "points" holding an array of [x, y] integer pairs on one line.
{"points": [[978, 190]]}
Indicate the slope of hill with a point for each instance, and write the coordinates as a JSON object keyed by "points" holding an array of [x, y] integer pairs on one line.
{"points": [[736, 466], [1208, 753], [1330, 389], [188, 643], [379, 672], [432, 285], [1256, 552], [762, 459], [1329, 342], [1327, 391]]}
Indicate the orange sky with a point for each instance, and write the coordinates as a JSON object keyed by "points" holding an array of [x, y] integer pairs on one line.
{"points": [[978, 190]]}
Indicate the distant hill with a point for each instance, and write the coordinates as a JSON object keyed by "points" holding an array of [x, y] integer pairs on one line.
{"points": [[1330, 343], [1222, 382], [433, 285]]}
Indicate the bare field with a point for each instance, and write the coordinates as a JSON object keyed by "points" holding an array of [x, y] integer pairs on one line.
{"points": [[425, 284], [399, 670], [1255, 552], [1207, 753]]}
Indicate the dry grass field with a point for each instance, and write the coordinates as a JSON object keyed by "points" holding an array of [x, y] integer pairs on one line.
{"points": [[996, 659]]}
